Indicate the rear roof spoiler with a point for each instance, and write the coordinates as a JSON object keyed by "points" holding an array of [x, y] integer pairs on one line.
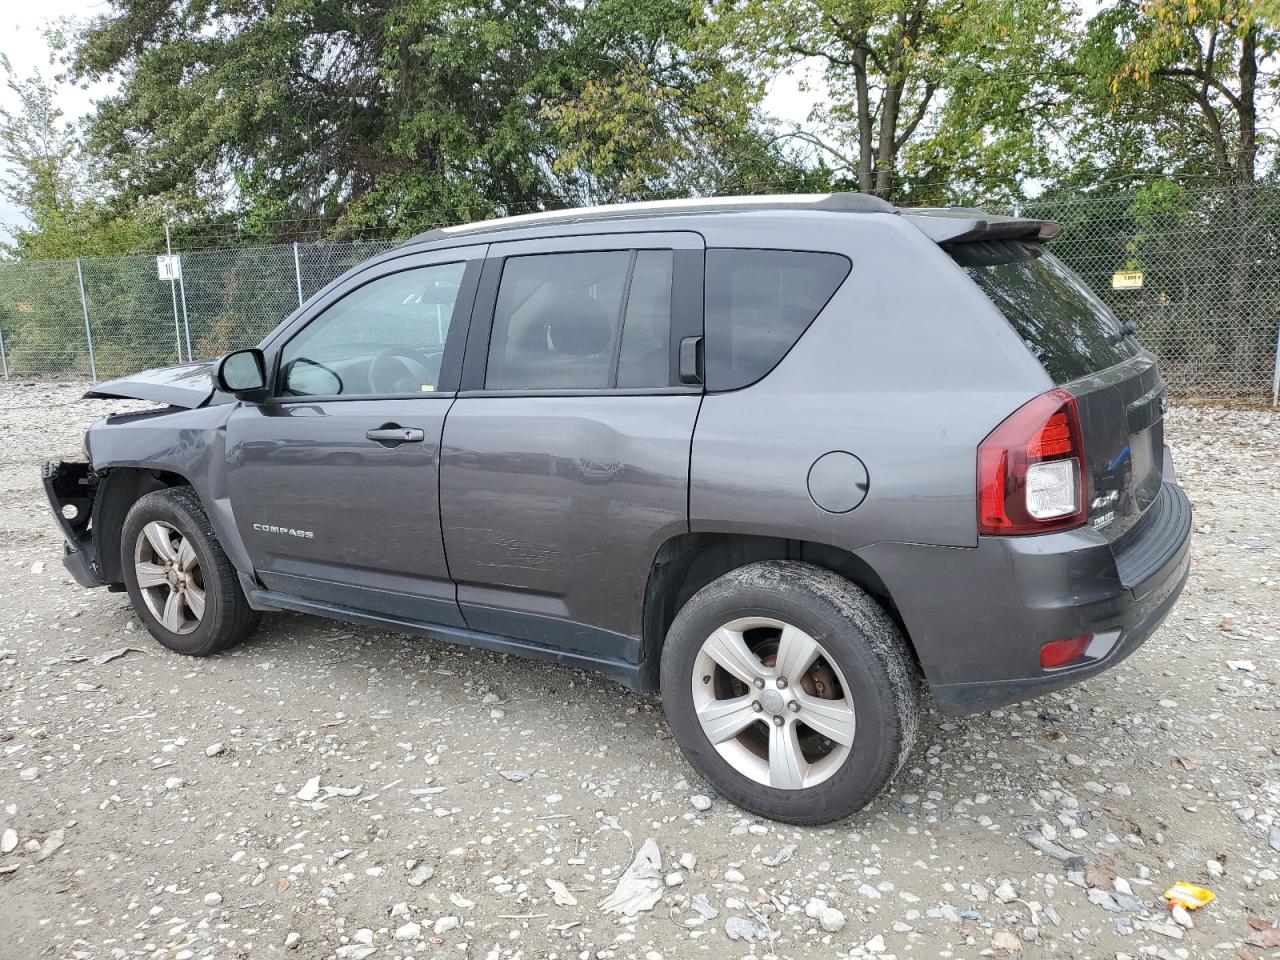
{"points": [[960, 225]]}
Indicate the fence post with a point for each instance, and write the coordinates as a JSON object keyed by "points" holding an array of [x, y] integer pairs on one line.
{"points": [[1275, 374], [4, 360], [88, 331], [173, 292], [297, 271], [186, 326]]}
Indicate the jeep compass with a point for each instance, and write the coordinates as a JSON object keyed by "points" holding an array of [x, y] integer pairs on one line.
{"points": [[790, 461]]}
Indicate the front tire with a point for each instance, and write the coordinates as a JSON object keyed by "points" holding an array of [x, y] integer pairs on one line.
{"points": [[791, 691], [180, 581]]}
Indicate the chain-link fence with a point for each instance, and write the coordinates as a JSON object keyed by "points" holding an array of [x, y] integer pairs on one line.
{"points": [[108, 316], [1202, 273], [1201, 281]]}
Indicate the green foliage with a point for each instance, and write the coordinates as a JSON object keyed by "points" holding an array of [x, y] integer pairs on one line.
{"points": [[50, 181], [403, 114], [1174, 88], [929, 99]]}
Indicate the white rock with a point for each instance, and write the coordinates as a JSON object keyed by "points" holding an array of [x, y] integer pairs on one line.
{"points": [[674, 879], [29, 774], [174, 783], [560, 894], [813, 909], [212, 899], [1181, 916], [421, 874], [292, 939], [310, 790], [688, 861], [410, 931], [733, 876], [700, 801], [445, 924], [9, 841], [875, 944], [1006, 893], [213, 749], [832, 921]]}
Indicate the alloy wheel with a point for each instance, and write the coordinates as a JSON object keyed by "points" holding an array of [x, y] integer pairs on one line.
{"points": [[169, 577], [772, 701]]}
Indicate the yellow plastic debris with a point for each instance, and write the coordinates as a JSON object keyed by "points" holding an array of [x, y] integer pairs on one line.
{"points": [[1188, 895]]}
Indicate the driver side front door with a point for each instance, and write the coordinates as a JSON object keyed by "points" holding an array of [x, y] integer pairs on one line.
{"points": [[334, 482]]}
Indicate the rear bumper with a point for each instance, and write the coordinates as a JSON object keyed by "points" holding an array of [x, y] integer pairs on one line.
{"points": [[71, 487], [978, 617]]}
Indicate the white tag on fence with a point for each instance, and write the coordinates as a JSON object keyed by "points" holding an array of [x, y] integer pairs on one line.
{"points": [[169, 267]]}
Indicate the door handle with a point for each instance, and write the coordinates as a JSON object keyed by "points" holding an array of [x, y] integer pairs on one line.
{"points": [[392, 434], [691, 362]]}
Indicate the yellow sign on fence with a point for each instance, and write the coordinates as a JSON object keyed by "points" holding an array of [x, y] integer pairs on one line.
{"points": [[1126, 280]]}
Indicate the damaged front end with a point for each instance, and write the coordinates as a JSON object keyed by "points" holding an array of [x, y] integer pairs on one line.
{"points": [[72, 488]]}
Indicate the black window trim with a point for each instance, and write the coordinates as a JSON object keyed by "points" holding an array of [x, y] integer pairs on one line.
{"points": [[687, 248], [455, 339]]}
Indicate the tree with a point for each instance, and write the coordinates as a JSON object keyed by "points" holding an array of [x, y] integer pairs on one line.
{"points": [[52, 183], [668, 116], [927, 97], [404, 114], [1197, 71]]}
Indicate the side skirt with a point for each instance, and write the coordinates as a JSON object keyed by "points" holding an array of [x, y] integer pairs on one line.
{"points": [[630, 675]]}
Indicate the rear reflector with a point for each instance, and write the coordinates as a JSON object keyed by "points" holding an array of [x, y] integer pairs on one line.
{"points": [[1061, 652], [1031, 469]]}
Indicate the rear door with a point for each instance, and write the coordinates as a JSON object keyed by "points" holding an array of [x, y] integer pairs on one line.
{"points": [[335, 481], [1084, 348], [566, 455]]}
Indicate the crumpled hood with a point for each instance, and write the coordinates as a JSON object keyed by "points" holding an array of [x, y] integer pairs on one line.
{"points": [[189, 386]]}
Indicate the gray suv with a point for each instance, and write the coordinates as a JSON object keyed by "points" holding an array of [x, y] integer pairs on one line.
{"points": [[788, 460]]}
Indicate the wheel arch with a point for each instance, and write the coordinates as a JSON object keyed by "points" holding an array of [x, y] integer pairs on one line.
{"points": [[686, 563], [118, 490]]}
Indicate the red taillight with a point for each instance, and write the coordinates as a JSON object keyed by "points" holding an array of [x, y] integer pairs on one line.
{"points": [[1031, 469], [1061, 652]]}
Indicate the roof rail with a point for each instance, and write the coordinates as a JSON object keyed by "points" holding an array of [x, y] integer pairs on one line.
{"points": [[839, 202]]}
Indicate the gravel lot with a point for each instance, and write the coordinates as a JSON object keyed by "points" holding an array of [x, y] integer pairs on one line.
{"points": [[471, 805]]}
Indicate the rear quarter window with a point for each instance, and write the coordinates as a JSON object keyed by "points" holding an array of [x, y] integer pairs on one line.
{"points": [[1071, 332], [758, 303]]}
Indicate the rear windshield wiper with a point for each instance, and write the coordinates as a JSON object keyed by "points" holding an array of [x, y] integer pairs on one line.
{"points": [[1126, 330]]}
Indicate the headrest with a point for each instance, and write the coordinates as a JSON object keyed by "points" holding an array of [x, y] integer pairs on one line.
{"points": [[580, 327]]}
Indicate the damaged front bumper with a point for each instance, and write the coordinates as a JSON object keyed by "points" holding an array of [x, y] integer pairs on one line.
{"points": [[71, 488]]}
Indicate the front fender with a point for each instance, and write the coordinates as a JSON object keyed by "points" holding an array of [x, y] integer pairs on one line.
{"points": [[134, 453]]}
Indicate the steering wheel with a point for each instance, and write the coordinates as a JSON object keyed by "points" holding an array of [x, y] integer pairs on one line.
{"points": [[403, 370]]}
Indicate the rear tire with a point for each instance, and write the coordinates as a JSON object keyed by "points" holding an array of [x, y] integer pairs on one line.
{"points": [[820, 703], [180, 581]]}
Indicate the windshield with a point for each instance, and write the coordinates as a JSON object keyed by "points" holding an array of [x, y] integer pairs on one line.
{"points": [[1071, 331]]}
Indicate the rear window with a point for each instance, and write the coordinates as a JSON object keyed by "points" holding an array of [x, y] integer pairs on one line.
{"points": [[1070, 331], [758, 303]]}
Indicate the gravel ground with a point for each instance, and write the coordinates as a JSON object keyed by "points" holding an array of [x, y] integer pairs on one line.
{"points": [[329, 790]]}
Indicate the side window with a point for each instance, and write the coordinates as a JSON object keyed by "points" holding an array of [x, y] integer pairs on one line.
{"points": [[758, 303], [384, 338], [589, 320]]}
